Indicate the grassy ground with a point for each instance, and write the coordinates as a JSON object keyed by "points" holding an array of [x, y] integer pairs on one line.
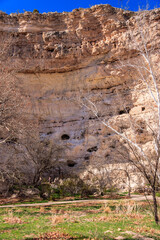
{"points": [[113, 219]]}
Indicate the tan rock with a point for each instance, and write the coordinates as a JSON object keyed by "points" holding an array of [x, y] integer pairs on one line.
{"points": [[73, 56]]}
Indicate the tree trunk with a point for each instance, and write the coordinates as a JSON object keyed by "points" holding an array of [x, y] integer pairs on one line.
{"points": [[156, 218], [129, 186], [129, 191], [36, 179]]}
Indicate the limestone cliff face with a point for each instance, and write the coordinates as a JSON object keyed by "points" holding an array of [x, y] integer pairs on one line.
{"points": [[71, 56]]}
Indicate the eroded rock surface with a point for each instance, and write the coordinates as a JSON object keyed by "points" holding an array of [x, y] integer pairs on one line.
{"points": [[64, 58]]}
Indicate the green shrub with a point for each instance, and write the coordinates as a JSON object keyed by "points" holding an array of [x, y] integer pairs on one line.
{"points": [[55, 194], [45, 190], [73, 187], [158, 194], [110, 191]]}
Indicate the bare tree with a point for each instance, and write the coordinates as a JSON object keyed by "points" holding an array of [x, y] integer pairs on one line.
{"points": [[42, 154], [22, 149], [12, 100], [145, 158], [13, 109], [101, 178], [113, 176]]}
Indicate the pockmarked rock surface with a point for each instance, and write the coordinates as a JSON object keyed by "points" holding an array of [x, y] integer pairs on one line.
{"points": [[73, 56]]}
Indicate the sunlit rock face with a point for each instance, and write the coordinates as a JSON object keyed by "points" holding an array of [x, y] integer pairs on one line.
{"points": [[66, 58]]}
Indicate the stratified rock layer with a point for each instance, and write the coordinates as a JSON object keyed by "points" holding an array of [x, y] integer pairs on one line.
{"points": [[64, 58]]}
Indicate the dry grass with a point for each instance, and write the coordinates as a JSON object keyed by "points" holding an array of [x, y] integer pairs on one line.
{"points": [[145, 229], [12, 219], [55, 235], [137, 216], [19, 210], [111, 218], [42, 210], [57, 211], [108, 218], [55, 219], [107, 210]]}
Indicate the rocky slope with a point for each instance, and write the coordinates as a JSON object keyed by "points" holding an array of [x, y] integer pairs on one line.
{"points": [[66, 58]]}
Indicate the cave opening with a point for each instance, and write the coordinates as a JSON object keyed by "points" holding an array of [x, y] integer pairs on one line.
{"points": [[92, 149], [71, 163], [65, 137]]}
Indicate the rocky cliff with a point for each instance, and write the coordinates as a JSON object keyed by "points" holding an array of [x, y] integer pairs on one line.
{"points": [[67, 58]]}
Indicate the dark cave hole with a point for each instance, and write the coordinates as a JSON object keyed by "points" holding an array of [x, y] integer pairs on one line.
{"points": [[92, 149], [50, 50], [91, 118], [71, 163], [140, 130], [82, 134], [86, 157], [143, 108], [65, 137], [124, 111], [113, 146], [49, 133]]}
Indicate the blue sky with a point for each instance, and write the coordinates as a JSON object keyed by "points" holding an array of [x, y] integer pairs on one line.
{"points": [[9, 6]]}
